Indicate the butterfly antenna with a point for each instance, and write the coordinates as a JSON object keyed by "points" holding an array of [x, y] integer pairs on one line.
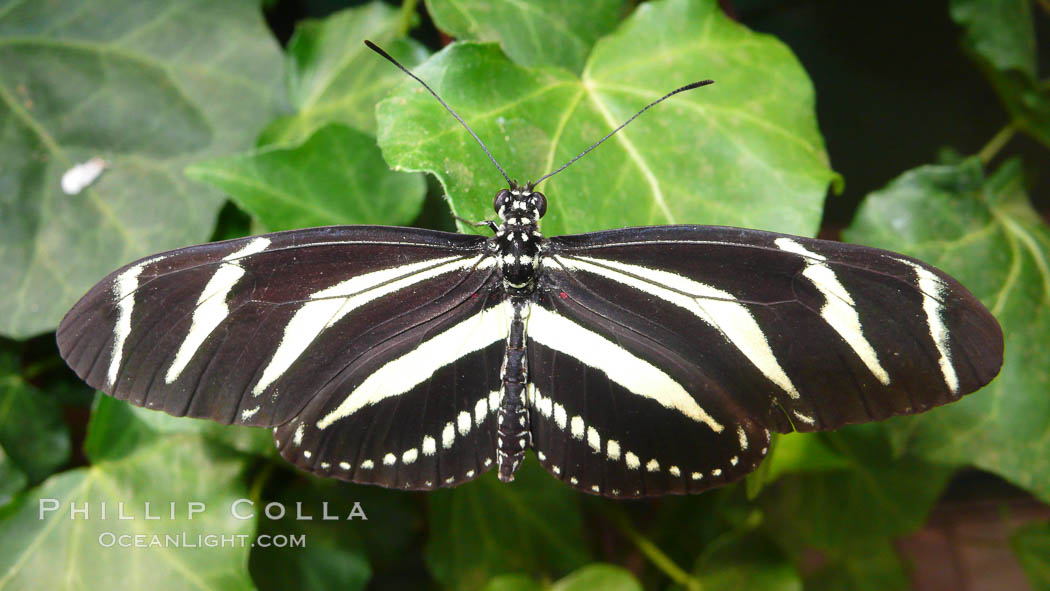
{"points": [[624, 124], [380, 51]]}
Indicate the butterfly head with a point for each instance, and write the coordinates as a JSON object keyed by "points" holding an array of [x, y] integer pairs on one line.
{"points": [[520, 202]]}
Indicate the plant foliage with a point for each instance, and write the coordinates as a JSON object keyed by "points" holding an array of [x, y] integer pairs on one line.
{"points": [[184, 101]]}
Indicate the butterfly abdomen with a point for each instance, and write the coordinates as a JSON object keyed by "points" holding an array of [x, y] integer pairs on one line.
{"points": [[513, 435]]}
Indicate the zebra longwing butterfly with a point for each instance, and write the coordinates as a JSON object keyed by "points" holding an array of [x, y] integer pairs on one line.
{"points": [[635, 362]]}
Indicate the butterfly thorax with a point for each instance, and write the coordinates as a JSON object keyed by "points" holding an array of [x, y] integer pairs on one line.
{"points": [[518, 239]]}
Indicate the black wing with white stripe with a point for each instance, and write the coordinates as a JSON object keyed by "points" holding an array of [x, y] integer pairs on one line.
{"points": [[699, 339], [257, 331], [416, 412]]}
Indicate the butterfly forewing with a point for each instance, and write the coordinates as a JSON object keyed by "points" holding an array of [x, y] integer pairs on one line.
{"points": [[249, 331]]}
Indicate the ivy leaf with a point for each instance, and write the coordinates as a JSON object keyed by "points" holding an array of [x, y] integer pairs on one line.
{"points": [[684, 526], [337, 176], [40, 547], [598, 576], [745, 151], [12, 480], [392, 542], [34, 437], [1001, 31], [606, 577], [118, 428], [148, 87], [333, 556], [750, 562], [320, 166], [871, 566], [333, 78], [531, 32], [793, 453], [513, 583], [878, 496], [487, 528], [1000, 35], [1031, 545], [1027, 101], [984, 232]]}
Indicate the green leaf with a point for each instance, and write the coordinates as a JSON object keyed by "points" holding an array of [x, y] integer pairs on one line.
{"points": [[683, 527], [1031, 545], [872, 566], [513, 583], [43, 548], [1000, 36], [745, 151], [531, 32], [333, 78], [117, 428], [791, 453], [487, 528], [12, 479], [1001, 31], [148, 87], [984, 232], [333, 556], [802, 452], [33, 434], [393, 540], [878, 496], [337, 176], [1027, 100], [750, 562], [606, 577]]}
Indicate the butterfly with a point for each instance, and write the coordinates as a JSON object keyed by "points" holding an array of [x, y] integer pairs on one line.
{"points": [[634, 362]]}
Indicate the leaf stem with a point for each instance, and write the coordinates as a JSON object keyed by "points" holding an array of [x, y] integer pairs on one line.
{"points": [[991, 149], [653, 552], [724, 539], [408, 11]]}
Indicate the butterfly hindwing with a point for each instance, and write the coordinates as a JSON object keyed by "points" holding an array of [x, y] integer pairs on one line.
{"points": [[594, 433], [247, 331], [416, 412]]}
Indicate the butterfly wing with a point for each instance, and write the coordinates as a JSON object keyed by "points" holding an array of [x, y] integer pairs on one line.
{"points": [[417, 411], [282, 329], [703, 339]]}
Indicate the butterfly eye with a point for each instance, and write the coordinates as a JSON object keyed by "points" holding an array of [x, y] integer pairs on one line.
{"points": [[540, 201], [501, 199]]}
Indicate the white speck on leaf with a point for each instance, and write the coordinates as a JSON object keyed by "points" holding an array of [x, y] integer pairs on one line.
{"points": [[81, 176]]}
